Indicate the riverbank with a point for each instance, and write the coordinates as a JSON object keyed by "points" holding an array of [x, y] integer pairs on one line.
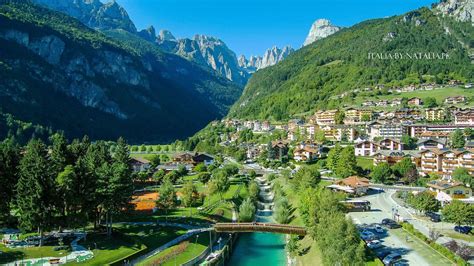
{"points": [[260, 248]]}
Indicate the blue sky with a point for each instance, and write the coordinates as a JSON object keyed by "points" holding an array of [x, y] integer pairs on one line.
{"points": [[251, 26]]}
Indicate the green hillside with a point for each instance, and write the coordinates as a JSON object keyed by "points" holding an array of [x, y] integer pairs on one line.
{"points": [[307, 79], [58, 73]]}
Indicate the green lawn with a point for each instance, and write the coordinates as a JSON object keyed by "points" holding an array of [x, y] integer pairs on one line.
{"points": [[310, 253], [193, 250], [365, 162], [108, 249], [132, 239], [12, 254]]}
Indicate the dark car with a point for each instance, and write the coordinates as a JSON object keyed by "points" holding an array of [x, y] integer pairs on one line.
{"points": [[390, 224], [387, 221], [391, 258], [463, 229], [383, 254], [393, 225], [434, 217]]}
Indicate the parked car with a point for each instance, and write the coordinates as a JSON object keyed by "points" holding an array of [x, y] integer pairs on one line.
{"points": [[382, 254], [374, 244], [387, 221], [463, 229], [434, 217], [393, 225], [379, 229], [367, 235], [391, 258]]}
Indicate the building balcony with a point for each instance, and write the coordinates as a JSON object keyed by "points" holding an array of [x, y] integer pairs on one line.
{"points": [[458, 196], [428, 160]]}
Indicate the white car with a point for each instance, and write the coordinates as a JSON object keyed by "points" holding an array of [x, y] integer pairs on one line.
{"points": [[379, 229], [374, 244], [367, 235]]}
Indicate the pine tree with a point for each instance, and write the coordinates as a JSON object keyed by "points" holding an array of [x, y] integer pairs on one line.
{"points": [[59, 153], [457, 139], [35, 188], [9, 161]]}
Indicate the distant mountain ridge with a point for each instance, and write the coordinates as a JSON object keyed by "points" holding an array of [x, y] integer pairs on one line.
{"points": [[60, 74], [205, 50], [271, 57], [93, 13], [341, 62]]}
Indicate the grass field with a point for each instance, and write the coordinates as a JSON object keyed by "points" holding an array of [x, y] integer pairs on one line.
{"points": [[365, 162], [195, 247], [9, 254], [132, 238]]}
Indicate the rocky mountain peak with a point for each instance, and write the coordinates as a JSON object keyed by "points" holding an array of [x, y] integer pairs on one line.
{"points": [[461, 10], [148, 34], [320, 29], [271, 57], [165, 35], [93, 13]]}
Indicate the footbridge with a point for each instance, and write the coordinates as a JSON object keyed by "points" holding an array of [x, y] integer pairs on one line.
{"points": [[259, 227]]}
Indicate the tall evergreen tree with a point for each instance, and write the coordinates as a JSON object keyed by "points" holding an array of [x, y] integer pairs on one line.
{"points": [[35, 188], [59, 153], [457, 139], [9, 161]]}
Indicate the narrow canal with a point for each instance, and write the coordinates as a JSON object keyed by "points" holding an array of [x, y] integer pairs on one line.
{"points": [[260, 248]]}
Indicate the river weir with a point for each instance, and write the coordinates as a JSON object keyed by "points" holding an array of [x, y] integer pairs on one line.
{"points": [[261, 248]]}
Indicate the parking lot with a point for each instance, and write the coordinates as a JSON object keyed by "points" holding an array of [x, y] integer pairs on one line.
{"points": [[413, 250]]}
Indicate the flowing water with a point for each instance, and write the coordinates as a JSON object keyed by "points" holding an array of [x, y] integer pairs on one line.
{"points": [[260, 249]]}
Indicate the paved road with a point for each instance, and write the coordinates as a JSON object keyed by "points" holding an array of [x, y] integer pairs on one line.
{"points": [[414, 252]]}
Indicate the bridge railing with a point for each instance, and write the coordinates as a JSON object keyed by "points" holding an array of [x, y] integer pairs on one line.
{"points": [[259, 227]]}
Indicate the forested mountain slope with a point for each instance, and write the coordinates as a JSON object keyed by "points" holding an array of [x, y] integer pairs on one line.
{"points": [[60, 74], [348, 60]]}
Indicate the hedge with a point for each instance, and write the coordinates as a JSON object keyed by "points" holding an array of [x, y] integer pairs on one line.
{"points": [[440, 248]]}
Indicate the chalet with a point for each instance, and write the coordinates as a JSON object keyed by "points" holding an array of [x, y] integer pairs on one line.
{"points": [[447, 190], [326, 117], [415, 101], [368, 103], [435, 114], [464, 117], [391, 144], [206, 159], [339, 132], [193, 158], [278, 150], [366, 148], [396, 102], [353, 184], [266, 126], [444, 161], [305, 154], [393, 157], [353, 115], [253, 153], [454, 82], [455, 99], [140, 164], [431, 143], [382, 103]]}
